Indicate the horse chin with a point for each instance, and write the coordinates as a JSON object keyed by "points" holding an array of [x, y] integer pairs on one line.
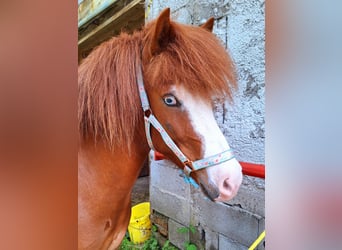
{"points": [[208, 188], [211, 192]]}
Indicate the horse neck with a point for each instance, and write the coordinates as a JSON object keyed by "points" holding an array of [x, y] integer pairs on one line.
{"points": [[116, 165], [106, 178]]}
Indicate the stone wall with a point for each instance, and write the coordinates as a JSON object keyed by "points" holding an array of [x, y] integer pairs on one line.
{"points": [[240, 25]]}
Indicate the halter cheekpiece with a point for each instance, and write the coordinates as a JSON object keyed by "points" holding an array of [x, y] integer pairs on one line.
{"points": [[150, 119]]}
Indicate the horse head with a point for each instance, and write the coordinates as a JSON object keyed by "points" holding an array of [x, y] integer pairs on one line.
{"points": [[185, 68]]}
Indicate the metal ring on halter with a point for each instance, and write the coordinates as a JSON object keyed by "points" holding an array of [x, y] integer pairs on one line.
{"points": [[188, 167], [147, 112]]}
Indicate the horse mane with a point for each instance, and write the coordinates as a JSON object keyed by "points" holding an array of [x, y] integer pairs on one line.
{"points": [[108, 100], [109, 107]]}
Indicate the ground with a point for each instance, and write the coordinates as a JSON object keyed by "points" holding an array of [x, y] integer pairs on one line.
{"points": [[140, 191]]}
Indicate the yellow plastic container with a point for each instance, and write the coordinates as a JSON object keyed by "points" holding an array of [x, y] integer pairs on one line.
{"points": [[139, 227]]}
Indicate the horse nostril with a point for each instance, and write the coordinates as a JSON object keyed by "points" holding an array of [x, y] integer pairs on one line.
{"points": [[226, 184], [227, 188]]}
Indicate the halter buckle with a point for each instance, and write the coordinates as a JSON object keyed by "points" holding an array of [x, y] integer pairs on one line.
{"points": [[188, 167], [147, 112]]}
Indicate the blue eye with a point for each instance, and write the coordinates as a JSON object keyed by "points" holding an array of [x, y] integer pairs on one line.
{"points": [[171, 100]]}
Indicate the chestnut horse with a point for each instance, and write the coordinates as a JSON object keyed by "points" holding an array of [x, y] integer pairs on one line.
{"points": [[154, 88]]}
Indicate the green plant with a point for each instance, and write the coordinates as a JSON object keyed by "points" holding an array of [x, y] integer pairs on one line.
{"points": [[183, 230], [126, 244], [168, 247], [151, 244], [188, 245]]}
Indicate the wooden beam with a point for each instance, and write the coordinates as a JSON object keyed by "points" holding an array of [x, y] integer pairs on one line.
{"points": [[88, 9], [132, 16]]}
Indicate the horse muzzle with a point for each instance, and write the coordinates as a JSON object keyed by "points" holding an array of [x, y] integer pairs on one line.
{"points": [[220, 183]]}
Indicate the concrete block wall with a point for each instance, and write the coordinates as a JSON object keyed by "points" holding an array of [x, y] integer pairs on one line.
{"points": [[176, 204], [240, 25]]}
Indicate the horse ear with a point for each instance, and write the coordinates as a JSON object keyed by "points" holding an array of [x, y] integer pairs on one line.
{"points": [[209, 24], [163, 32]]}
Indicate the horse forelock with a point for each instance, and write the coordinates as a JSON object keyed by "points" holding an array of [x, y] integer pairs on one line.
{"points": [[109, 107], [195, 59]]}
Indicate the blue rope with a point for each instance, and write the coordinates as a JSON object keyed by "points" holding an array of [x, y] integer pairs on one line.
{"points": [[188, 179]]}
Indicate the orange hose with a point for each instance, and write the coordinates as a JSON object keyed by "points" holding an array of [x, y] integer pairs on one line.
{"points": [[251, 169]]}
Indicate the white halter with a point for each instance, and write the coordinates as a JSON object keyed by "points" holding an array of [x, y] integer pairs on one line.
{"points": [[149, 118]]}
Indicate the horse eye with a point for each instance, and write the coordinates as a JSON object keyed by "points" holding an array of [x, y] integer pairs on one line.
{"points": [[170, 100]]}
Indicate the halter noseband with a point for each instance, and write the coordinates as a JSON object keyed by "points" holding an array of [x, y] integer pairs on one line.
{"points": [[189, 166]]}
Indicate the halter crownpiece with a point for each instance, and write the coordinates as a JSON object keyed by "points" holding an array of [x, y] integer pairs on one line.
{"points": [[150, 119]]}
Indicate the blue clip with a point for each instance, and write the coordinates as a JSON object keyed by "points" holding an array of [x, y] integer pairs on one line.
{"points": [[188, 179]]}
